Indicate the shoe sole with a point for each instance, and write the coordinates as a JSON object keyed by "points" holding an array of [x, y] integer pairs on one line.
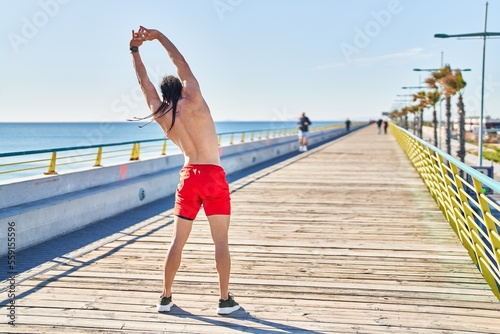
{"points": [[227, 310], [164, 308]]}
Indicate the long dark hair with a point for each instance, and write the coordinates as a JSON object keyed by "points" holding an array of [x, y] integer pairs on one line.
{"points": [[171, 90]]}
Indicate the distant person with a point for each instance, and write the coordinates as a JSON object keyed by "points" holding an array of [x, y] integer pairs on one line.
{"points": [[379, 126], [303, 126], [185, 119], [386, 124], [347, 125]]}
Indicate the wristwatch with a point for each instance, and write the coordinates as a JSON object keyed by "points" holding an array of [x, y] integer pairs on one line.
{"points": [[134, 49]]}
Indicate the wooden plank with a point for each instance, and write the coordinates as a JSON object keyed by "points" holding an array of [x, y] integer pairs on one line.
{"points": [[341, 239]]}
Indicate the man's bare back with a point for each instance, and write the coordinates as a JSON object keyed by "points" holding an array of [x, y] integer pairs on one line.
{"points": [[194, 130]]}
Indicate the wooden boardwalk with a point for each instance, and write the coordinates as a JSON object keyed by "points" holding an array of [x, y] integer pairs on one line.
{"points": [[341, 239]]}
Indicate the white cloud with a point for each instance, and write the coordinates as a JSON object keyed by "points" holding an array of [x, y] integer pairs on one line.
{"points": [[408, 54]]}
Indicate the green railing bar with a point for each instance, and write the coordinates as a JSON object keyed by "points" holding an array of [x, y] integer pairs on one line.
{"points": [[50, 150]]}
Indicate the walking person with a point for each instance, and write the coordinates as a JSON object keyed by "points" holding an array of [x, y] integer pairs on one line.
{"points": [[303, 126], [185, 119], [379, 126], [347, 125]]}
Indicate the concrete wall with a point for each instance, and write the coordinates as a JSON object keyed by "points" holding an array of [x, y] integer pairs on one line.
{"points": [[48, 206]]}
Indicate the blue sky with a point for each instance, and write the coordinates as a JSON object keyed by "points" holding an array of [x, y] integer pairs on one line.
{"points": [[68, 60]]}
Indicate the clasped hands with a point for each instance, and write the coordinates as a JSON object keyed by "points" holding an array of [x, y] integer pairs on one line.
{"points": [[142, 35]]}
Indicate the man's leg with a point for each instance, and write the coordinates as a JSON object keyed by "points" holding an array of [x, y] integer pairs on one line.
{"points": [[219, 227], [182, 229]]}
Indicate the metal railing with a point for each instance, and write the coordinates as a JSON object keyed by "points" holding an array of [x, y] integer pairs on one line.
{"points": [[51, 161], [467, 199]]}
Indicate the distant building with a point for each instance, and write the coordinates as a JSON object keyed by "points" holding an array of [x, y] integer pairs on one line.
{"points": [[472, 124]]}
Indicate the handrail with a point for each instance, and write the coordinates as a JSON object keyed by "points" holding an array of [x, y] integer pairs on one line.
{"points": [[467, 199], [72, 148], [51, 163]]}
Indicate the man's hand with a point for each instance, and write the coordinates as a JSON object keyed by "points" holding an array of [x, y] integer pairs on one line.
{"points": [[143, 34], [137, 38], [149, 34]]}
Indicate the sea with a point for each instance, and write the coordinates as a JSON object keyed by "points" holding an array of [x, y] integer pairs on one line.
{"points": [[22, 137]]}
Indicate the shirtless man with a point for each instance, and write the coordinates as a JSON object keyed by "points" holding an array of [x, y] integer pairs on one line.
{"points": [[185, 119]]}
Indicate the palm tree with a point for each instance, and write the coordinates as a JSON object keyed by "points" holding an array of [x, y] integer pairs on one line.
{"points": [[421, 97], [432, 99], [414, 109], [405, 110], [440, 77], [394, 115], [455, 83]]}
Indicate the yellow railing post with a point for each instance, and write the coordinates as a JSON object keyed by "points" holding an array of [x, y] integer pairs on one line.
{"points": [[464, 228], [231, 139], [52, 166], [267, 134], [98, 158], [135, 152], [220, 139], [481, 252], [164, 148], [242, 137], [251, 136]]}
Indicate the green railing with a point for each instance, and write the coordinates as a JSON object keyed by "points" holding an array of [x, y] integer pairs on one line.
{"points": [[51, 161], [467, 199]]}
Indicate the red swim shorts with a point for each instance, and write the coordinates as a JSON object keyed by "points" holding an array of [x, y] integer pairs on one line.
{"points": [[202, 184]]}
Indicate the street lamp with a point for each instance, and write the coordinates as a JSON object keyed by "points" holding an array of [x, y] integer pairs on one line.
{"points": [[437, 69], [414, 87], [483, 34]]}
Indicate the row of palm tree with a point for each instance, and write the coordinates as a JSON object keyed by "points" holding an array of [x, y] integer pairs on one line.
{"points": [[447, 83]]}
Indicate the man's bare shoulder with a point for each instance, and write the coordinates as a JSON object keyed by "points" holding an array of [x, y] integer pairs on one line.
{"points": [[194, 104]]}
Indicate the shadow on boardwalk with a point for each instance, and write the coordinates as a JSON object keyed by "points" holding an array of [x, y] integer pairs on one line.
{"points": [[248, 326]]}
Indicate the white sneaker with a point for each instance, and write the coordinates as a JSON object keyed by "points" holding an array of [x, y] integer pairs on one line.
{"points": [[305, 148]]}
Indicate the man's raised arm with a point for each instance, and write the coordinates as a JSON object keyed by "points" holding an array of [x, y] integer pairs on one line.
{"points": [[183, 70], [148, 89]]}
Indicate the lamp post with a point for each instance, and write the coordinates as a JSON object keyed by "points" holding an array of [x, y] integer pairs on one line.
{"points": [[483, 34], [437, 69], [413, 87]]}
